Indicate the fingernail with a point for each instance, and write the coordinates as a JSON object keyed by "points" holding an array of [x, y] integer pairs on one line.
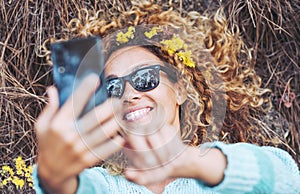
{"points": [[52, 95]]}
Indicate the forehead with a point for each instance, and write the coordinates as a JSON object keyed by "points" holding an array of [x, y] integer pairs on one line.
{"points": [[128, 58]]}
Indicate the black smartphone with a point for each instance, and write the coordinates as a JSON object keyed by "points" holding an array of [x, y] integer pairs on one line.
{"points": [[73, 60]]}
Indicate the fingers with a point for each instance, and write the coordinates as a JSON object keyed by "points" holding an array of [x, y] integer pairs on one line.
{"points": [[101, 152], [155, 149], [59, 137], [97, 116], [158, 145], [156, 156], [49, 111], [140, 152], [77, 101], [146, 177], [99, 135]]}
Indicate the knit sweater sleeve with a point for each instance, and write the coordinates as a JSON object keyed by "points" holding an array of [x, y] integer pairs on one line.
{"points": [[254, 169], [90, 181]]}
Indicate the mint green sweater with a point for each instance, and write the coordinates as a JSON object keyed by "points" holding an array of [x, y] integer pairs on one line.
{"points": [[250, 169]]}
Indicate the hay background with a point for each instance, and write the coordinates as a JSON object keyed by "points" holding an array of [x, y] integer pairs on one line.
{"points": [[270, 27]]}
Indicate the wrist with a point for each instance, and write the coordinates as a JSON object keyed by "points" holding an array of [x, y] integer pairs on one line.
{"points": [[181, 166], [68, 186], [205, 164]]}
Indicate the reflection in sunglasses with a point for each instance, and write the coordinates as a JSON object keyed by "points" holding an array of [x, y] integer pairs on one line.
{"points": [[143, 80]]}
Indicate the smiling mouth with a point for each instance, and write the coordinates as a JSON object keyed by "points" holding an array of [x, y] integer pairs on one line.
{"points": [[137, 114]]}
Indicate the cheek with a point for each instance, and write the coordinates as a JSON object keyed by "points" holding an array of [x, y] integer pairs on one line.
{"points": [[166, 99], [166, 92], [117, 106]]}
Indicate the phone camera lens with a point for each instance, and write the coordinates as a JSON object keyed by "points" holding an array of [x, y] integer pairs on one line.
{"points": [[61, 69]]}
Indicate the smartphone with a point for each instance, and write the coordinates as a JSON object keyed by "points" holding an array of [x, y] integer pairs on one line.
{"points": [[73, 60]]}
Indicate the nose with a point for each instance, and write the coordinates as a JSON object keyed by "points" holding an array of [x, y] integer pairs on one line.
{"points": [[130, 94]]}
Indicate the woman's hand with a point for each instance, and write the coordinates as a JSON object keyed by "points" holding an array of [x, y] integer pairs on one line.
{"points": [[162, 155], [154, 157], [67, 144]]}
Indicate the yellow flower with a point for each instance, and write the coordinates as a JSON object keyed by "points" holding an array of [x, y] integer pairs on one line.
{"points": [[20, 166], [8, 169], [124, 37], [27, 174], [152, 32], [19, 175], [186, 58], [19, 159], [173, 44], [20, 172], [29, 169], [20, 163], [19, 183], [4, 182], [176, 44]]}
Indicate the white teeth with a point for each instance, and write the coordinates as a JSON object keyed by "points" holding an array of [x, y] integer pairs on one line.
{"points": [[137, 114]]}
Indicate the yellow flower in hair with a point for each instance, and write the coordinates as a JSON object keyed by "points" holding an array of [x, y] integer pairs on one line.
{"points": [[186, 58], [124, 37], [152, 32], [173, 44], [176, 45]]}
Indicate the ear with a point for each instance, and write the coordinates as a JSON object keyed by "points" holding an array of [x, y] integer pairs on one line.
{"points": [[181, 93]]}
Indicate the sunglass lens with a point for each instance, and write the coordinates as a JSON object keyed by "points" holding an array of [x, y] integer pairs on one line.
{"points": [[114, 87], [145, 79]]}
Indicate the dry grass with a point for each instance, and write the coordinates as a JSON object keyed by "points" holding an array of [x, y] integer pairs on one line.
{"points": [[270, 27]]}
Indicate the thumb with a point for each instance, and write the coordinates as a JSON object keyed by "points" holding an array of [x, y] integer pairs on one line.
{"points": [[49, 111]]}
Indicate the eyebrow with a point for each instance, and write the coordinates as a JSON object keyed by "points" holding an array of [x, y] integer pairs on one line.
{"points": [[139, 66], [112, 76]]}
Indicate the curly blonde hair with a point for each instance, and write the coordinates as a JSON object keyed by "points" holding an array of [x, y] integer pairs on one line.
{"points": [[224, 95]]}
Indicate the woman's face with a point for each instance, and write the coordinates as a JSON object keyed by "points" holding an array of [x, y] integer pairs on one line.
{"points": [[142, 112]]}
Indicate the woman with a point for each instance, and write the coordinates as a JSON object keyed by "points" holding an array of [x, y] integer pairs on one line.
{"points": [[174, 83]]}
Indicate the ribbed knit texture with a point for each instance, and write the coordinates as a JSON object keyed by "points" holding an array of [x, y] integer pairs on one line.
{"points": [[250, 169]]}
